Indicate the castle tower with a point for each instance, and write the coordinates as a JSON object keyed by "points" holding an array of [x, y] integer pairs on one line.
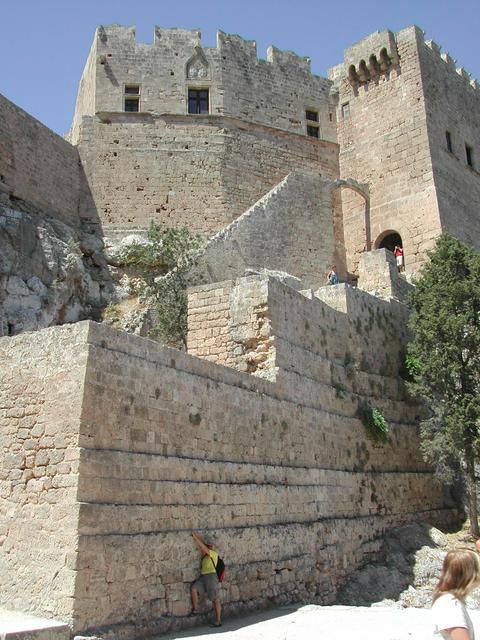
{"points": [[408, 125], [189, 135]]}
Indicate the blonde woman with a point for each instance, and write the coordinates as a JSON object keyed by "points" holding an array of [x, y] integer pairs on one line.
{"points": [[460, 574]]}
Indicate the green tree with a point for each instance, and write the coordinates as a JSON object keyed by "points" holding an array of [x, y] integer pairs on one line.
{"points": [[164, 265], [443, 359]]}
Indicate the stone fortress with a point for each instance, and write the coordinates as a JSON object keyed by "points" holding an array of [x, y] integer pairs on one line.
{"points": [[115, 447]]}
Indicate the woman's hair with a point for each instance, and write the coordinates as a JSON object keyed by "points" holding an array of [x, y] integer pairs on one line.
{"points": [[460, 573]]}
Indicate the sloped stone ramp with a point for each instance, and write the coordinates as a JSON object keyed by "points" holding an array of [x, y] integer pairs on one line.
{"points": [[15, 625]]}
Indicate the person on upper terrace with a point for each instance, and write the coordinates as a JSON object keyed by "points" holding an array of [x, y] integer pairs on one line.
{"points": [[398, 253], [332, 276]]}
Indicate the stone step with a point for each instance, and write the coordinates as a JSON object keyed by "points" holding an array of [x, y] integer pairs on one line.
{"points": [[15, 625]]}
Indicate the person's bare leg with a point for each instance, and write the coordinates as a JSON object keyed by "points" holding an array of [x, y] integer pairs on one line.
{"points": [[194, 594], [217, 607]]}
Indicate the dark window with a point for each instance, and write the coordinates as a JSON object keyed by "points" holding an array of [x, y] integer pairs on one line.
{"points": [[345, 110], [132, 104], [313, 132], [311, 115], [132, 89], [448, 138], [131, 97], [198, 101], [469, 154]]}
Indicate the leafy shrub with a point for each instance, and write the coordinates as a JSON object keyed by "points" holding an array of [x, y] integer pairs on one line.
{"points": [[375, 424], [163, 264]]}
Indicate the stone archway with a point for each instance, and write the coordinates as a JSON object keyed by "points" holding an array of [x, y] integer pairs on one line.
{"points": [[389, 240], [351, 206]]}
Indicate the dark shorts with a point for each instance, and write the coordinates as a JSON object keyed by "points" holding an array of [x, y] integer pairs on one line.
{"points": [[208, 584]]}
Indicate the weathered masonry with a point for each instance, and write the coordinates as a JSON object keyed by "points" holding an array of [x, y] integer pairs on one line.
{"points": [[129, 446], [113, 447], [166, 130]]}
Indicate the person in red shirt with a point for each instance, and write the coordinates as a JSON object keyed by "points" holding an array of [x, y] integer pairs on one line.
{"points": [[398, 253]]}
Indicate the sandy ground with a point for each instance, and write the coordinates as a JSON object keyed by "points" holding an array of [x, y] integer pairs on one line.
{"points": [[313, 622]]}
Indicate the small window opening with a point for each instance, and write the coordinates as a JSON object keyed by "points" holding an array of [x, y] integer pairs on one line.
{"points": [[448, 138], [312, 118], [132, 97], [345, 109], [198, 100], [469, 154]]}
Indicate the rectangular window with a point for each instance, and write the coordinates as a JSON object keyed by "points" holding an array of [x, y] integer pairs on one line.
{"points": [[469, 154], [131, 97], [345, 109], [448, 138], [312, 118], [198, 101], [132, 89], [132, 104]]}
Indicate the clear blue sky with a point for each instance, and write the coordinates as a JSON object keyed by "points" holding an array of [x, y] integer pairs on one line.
{"points": [[44, 43]]}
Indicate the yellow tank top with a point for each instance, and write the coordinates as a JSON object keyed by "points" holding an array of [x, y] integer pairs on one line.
{"points": [[208, 562]]}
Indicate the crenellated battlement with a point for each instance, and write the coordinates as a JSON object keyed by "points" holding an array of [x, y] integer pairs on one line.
{"points": [[371, 58], [236, 45], [451, 64], [231, 45]]}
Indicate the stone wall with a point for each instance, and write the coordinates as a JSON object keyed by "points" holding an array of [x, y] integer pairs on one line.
{"points": [[41, 396], [184, 170], [290, 229], [39, 167], [378, 274], [453, 104], [384, 141], [299, 493], [273, 92]]}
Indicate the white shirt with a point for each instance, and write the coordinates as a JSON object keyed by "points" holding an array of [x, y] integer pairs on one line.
{"points": [[449, 612]]}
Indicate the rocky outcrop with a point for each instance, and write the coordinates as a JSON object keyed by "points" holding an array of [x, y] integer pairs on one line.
{"points": [[403, 569], [50, 273]]}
